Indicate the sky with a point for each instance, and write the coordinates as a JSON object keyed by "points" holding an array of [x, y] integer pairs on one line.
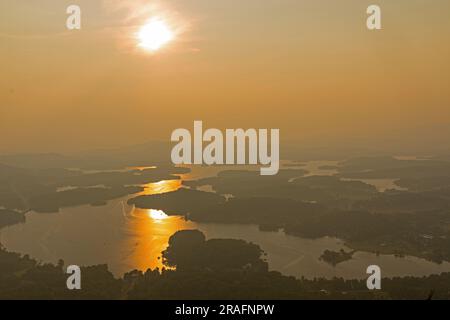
{"points": [[310, 68]]}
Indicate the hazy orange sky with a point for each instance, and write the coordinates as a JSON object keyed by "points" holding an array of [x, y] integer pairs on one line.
{"points": [[308, 67]]}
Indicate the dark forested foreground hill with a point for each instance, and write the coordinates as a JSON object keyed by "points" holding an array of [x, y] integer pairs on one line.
{"points": [[205, 269]]}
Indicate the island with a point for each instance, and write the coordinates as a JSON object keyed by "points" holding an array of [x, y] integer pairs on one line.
{"points": [[335, 257]]}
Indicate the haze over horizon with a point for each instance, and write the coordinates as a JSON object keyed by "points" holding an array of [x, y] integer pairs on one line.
{"points": [[314, 71]]}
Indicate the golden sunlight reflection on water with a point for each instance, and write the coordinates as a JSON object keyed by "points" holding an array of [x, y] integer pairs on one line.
{"points": [[148, 230], [161, 187], [148, 235]]}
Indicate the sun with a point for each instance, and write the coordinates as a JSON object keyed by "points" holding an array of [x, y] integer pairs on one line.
{"points": [[154, 35]]}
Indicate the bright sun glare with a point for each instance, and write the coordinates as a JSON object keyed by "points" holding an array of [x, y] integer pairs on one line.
{"points": [[154, 34], [157, 215]]}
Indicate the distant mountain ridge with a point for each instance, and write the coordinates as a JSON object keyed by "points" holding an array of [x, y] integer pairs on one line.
{"points": [[136, 155]]}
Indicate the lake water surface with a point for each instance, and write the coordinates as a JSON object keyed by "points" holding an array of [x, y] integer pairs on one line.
{"points": [[127, 238]]}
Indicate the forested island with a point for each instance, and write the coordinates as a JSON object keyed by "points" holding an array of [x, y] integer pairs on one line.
{"points": [[10, 217], [336, 257]]}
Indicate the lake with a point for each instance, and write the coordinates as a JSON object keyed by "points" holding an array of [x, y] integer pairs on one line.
{"points": [[127, 238]]}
